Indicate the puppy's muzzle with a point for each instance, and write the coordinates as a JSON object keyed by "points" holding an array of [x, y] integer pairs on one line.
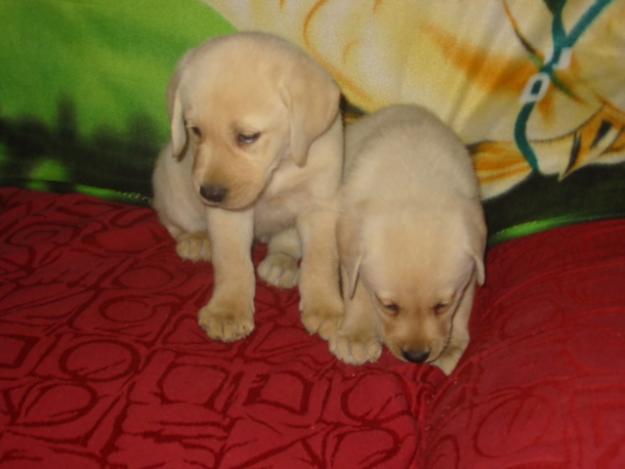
{"points": [[213, 194], [416, 356]]}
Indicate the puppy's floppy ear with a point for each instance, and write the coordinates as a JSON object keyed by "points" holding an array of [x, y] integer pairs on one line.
{"points": [[176, 115], [312, 98], [350, 253], [476, 242]]}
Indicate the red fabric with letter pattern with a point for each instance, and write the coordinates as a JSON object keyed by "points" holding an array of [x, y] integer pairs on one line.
{"points": [[102, 363]]}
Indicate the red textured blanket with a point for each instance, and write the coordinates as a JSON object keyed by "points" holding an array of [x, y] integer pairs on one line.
{"points": [[102, 363]]}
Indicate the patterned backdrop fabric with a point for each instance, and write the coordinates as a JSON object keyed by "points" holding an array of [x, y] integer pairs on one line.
{"points": [[102, 363], [535, 89]]}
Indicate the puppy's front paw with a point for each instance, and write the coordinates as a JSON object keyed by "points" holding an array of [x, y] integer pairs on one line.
{"points": [[280, 270], [355, 349], [448, 361], [193, 247], [322, 318], [226, 323]]}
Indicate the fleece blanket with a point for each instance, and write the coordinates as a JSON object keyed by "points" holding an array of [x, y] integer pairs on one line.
{"points": [[535, 89]]}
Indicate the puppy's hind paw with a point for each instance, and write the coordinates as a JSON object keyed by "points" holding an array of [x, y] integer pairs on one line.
{"points": [[355, 350], [279, 269], [193, 247]]}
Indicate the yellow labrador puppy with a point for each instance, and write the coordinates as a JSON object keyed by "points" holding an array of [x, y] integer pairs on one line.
{"points": [[256, 150], [411, 240]]}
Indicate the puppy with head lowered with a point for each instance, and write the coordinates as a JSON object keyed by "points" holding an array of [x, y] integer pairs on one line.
{"points": [[256, 151], [411, 238]]}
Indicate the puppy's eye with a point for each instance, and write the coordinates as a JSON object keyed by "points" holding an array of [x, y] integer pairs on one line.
{"points": [[196, 131], [247, 139], [392, 309], [440, 308]]}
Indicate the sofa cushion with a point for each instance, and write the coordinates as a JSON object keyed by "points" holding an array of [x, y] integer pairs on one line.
{"points": [[102, 363], [542, 384]]}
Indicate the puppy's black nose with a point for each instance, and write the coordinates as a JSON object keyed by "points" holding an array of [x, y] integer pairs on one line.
{"points": [[417, 356], [213, 194]]}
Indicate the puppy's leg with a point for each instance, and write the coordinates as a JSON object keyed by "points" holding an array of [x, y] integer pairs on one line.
{"points": [[189, 232], [280, 267], [321, 304], [193, 246], [357, 340], [229, 315], [459, 339], [178, 207]]}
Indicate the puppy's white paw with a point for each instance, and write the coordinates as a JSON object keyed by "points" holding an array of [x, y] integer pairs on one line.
{"points": [[448, 361], [279, 269], [193, 247], [226, 323], [355, 349], [322, 317]]}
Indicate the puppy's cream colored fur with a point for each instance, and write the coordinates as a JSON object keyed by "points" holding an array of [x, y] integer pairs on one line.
{"points": [[411, 238], [256, 151]]}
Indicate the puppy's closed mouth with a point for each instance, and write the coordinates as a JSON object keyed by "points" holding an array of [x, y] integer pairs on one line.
{"points": [[210, 204], [226, 205]]}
